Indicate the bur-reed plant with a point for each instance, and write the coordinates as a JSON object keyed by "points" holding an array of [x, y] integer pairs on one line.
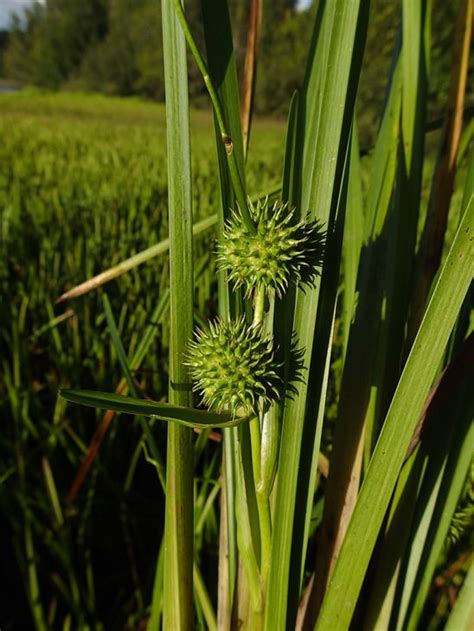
{"points": [[263, 368]]}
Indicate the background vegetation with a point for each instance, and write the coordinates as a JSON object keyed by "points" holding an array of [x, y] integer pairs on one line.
{"points": [[115, 47], [83, 186]]}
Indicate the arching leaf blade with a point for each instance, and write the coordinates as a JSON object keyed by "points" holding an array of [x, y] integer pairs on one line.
{"points": [[189, 417]]}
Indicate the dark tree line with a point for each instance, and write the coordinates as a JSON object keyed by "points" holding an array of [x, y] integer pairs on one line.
{"points": [[114, 46]]}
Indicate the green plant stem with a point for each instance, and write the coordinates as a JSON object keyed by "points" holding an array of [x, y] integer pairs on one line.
{"points": [[178, 612], [263, 505], [420, 370], [203, 597], [216, 104], [264, 516], [255, 440], [259, 306], [269, 443], [270, 430], [462, 615], [244, 534]]}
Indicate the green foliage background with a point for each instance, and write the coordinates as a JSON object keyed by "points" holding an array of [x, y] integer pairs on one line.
{"points": [[115, 47], [83, 186]]}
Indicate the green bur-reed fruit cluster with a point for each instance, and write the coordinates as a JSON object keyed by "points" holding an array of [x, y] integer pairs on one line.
{"points": [[233, 367], [282, 250], [231, 363]]}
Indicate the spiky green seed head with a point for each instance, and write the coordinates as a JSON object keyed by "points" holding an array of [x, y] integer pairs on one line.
{"points": [[282, 251], [233, 368]]}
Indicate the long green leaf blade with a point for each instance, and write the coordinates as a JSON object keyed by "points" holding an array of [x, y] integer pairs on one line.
{"points": [[223, 70], [420, 370], [412, 68], [178, 562], [459, 460], [463, 613], [343, 26], [117, 342], [189, 417]]}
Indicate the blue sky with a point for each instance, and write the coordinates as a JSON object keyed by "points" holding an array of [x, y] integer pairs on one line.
{"points": [[16, 6], [7, 7]]}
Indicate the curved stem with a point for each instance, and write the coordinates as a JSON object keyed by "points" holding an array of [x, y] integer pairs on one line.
{"points": [[225, 135]]}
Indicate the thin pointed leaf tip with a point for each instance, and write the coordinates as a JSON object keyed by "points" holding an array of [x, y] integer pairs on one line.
{"points": [[233, 367], [282, 251]]}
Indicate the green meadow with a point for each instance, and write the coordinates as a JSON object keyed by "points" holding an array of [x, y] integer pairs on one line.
{"points": [[83, 185]]}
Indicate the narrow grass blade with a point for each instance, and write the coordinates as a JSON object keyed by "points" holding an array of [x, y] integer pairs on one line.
{"points": [[460, 618], [402, 225], [372, 285], [52, 492], [311, 101], [69, 313], [418, 374], [412, 70], [135, 362], [445, 171], [316, 398], [203, 599], [395, 541], [236, 174], [223, 69], [155, 454], [188, 417], [415, 487], [250, 68], [247, 520], [156, 611], [178, 563], [224, 594], [385, 159], [357, 378], [344, 27], [34, 594], [425, 551], [415, 58], [117, 342], [289, 178], [353, 237], [125, 266]]}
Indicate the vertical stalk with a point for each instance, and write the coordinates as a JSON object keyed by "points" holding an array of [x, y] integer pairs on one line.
{"points": [[261, 490], [178, 555], [228, 142], [250, 68], [222, 67]]}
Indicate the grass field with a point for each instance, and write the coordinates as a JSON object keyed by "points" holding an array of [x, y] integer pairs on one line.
{"points": [[83, 185]]}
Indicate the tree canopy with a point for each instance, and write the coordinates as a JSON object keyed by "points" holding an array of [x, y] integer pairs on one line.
{"points": [[115, 47]]}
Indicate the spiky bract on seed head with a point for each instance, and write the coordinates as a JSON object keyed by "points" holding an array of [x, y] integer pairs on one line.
{"points": [[233, 366], [282, 251]]}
